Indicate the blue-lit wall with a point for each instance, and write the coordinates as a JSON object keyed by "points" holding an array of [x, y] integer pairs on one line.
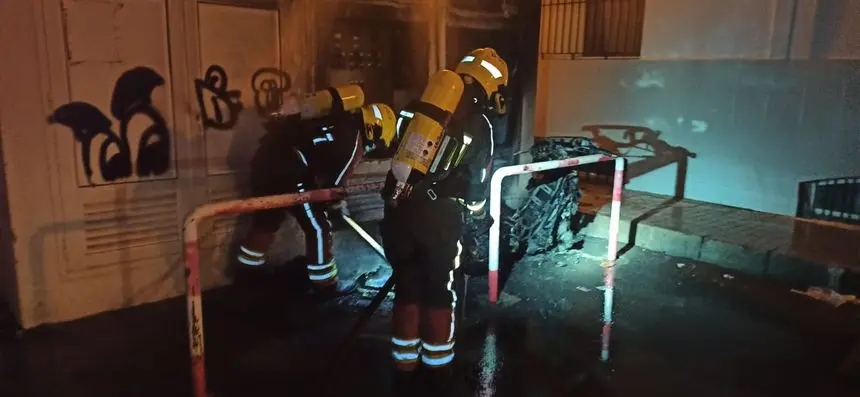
{"points": [[750, 131]]}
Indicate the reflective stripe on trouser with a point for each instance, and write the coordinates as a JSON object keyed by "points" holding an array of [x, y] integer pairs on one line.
{"points": [[405, 344], [323, 274], [421, 243], [253, 250], [433, 355], [405, 352], [438, 346], [314, 222], [250, 257]]}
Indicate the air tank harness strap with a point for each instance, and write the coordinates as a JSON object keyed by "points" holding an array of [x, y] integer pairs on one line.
{"points": [[442, 117], [336, 101], [432, 111]]}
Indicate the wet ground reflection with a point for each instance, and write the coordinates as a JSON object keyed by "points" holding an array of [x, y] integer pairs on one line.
{"points": [[677, 332]]}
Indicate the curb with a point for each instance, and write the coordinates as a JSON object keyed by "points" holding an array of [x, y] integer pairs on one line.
{"points": [[774, 264]]}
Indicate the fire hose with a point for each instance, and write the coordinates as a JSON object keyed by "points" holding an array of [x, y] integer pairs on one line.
{"points": [[368, 311]]}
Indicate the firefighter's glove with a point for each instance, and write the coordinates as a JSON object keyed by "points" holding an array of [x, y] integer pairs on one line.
{"points": [[478, 209], [338, 209], [479, 213]]}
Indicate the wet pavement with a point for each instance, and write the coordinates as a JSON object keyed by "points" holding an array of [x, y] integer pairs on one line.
{"points": [[682, 329]]}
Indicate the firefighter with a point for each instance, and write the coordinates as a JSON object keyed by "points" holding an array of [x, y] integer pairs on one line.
{"points": [[315, 147], [439, 174]]}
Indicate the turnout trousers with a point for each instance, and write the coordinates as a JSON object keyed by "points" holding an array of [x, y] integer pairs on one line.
{"points": [[422, 242], [284, 173]]}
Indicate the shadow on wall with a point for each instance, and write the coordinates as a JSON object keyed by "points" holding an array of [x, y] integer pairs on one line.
{"points": [[8, 273], [225, 116], [645, 152], [139, 216], [141, 147], [836, 33]]}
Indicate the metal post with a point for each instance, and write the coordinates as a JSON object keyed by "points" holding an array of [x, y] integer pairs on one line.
{"points": [[614, 223], [496, 205], [611, 256], [192, 258]]}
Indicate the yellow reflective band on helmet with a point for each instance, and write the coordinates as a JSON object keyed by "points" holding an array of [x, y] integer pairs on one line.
{"points": [[494, 71], [484, 67], [380, 126]]}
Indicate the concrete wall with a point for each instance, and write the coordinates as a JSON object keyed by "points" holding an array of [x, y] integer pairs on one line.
{"points": [[713, 29], [86, 244], [750, 131], [743, 29], [750, 98], [8, 286], [837, 30]]}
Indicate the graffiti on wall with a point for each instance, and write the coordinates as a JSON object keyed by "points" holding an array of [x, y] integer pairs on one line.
{"points": [[131, 99], [225, 102], [267, 84]]}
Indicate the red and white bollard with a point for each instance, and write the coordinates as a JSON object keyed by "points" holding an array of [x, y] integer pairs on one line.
{"points": [[194, 290], [614, 222]]}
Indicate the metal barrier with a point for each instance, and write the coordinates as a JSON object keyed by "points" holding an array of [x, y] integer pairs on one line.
{"points": [[192, 250], [192, 257], [832, 199], [614, 221]]}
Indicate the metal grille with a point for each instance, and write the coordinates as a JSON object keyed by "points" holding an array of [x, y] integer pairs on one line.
{"points": [[137, 222], [591, 28], [835, 199]]}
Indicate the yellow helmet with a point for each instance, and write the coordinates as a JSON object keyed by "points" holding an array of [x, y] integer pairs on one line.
{"points": [[379, 125], [485, 67]]}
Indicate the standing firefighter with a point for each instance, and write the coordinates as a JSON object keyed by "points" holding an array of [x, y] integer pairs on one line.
{"points": [[439, 173], [316, 148]]}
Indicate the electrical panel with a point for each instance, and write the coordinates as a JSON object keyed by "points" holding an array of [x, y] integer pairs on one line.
{"points": [[358, 54]]}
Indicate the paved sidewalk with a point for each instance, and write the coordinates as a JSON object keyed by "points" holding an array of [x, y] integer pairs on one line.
{"points": [[799, 252]]}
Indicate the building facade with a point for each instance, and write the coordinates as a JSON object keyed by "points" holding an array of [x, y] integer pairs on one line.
{"points": [[734, 102], [119, 117]]}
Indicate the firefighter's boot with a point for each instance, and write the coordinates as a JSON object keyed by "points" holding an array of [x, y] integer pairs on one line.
{"points": [[325, 282], [405, 343], [337, 289], [251, 256], [438, 381], [437, 350], [403, 383]]}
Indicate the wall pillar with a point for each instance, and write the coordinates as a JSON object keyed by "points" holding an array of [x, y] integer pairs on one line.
{"points": [[803, 29], [299, 29]]}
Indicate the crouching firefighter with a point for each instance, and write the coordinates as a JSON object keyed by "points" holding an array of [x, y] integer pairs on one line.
{"points": [[316, 148], [440, 173]]}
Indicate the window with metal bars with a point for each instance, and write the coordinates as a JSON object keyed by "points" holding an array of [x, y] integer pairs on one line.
{"points": [[591, 28]]}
